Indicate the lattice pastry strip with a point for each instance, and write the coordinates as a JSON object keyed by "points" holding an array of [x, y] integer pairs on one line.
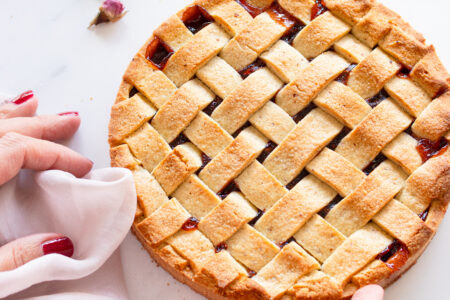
{"points": [[320, 35], [193, 246], [319, 238], [373, 133], [284, 60], [410, 96], [434, 121], [164, 222], [173, 32], [148, 146], [367, 199], [184, 160], [273, 122], [196, 197], [178, 112], [259, 186], [285, 269], [227, 218], [400, 222], [308, 137], [153, 84], [297, 94], [206, 44], [352, 49], [342, 103], [372, 73], [403, 151], [301, 9], [229, 14], [418, 192], [130, 114], [336, 171], [251, 248], [219, 76], [207, 135], [246, 99], [229, 163], [248, 44], [308, 197], [355, 252]]}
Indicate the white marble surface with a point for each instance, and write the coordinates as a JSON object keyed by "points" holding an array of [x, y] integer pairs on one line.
{"points": [[46, 46]]}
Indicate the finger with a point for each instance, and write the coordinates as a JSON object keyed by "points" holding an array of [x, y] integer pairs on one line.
{"points": [[56, 127], [24, 105], [369, 292], [21, 251], [19, 151]]}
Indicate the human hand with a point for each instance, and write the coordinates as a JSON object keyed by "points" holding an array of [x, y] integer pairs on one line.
{"points": [[25, 143], [369, 292]]}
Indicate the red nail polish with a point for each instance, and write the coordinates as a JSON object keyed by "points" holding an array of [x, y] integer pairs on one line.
{"points": [[63, 246], [69, 113], [24, 97]]}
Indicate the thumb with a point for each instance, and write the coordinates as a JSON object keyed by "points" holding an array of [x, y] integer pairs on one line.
{"points": [[369, 292], [21, 251]]}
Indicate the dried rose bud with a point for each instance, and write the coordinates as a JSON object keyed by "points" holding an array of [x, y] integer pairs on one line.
{"points": [[110, 11]]}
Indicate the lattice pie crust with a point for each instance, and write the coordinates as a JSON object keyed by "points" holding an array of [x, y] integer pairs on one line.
{"points": [[294, 149]]}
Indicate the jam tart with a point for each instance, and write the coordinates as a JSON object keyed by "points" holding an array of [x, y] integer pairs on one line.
{"points": [[290, 149]]}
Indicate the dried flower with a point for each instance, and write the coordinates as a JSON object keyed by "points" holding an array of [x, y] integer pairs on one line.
{"points": [[110, 11]]}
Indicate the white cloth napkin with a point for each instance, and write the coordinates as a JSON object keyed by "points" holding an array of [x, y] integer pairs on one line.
{"points": [[96, 212]]}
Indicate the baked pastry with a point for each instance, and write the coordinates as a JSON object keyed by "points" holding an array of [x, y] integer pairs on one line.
{"points": [[291, 149]]}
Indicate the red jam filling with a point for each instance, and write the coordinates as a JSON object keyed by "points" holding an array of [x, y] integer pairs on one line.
{"points": [[269, 148], [246, 125], [251, 68], [252, 10], [251, 273], [212, 106], [196, 18], [158, 53], [255, 219], [395, 255], [324, 211], [220, 247], [318, 9], [190, 224], [301, 114], [333, 144], [280, 15], [378, 98], [290, 35], [424, 214], [282, 244], [297, 179], [428, 149], [133, 92], [180, 139], [403, 72], [228, 189], [374, 163], [343, 78]]}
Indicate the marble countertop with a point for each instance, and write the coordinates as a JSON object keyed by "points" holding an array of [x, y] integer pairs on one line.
{"points": [[46, 47]]}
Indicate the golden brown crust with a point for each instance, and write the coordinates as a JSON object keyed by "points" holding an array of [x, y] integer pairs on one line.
{"points": [[220, 276], [431, 74]]}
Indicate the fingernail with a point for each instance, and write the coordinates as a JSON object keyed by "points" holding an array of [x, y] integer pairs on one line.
{"points": [[70, 113], [22, 98], [63, 246]]}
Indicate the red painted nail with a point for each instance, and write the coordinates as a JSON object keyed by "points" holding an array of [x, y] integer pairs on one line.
{"points": [[63, 246], [24, 97], [69, 113]]}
